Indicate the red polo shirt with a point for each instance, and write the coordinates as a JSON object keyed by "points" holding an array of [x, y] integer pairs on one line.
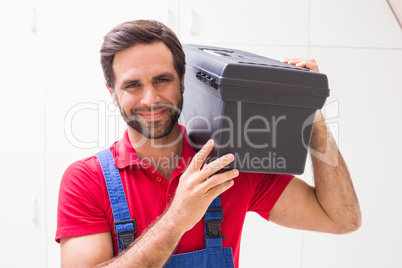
{"points": [[84, 206]]}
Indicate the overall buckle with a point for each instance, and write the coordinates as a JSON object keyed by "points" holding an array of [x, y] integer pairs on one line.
{"points": [[126, 238], [214, 226]]}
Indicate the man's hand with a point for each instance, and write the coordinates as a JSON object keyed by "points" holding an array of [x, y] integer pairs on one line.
{"points": [[307, 63], [196, 189], [303, 63]]}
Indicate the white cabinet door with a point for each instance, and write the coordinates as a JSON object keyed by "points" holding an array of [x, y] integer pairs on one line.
{"points": [[354, 23], [370, 140], [265, 244], [22, 168], [90, 20], [245, 22]]}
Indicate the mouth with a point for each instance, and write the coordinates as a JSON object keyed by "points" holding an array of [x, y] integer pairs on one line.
{"points": [[154, 115]]}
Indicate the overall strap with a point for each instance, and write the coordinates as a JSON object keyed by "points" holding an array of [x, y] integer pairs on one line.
{"points": [[213, 219], [124, 226]]}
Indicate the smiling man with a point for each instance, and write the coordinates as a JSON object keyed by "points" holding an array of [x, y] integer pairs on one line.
{"points": [[144, 66], [138, 68]]}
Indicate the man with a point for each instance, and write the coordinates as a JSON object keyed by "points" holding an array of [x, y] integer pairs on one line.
{"points": [[144, 68]]}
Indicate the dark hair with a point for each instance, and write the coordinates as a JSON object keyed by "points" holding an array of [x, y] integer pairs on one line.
{"points": [[135, 32]]}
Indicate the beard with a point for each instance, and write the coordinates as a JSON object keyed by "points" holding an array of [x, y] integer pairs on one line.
{"points": [[154, 129]]}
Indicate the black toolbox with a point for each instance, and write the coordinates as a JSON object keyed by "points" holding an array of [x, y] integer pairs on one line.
{"points": [[260, 109]]}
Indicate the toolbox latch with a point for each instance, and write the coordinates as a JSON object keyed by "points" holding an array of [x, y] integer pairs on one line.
{"points": [[206, 79]]}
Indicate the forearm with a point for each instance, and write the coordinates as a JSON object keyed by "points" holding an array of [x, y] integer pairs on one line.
{"points": [[153, 248], [333, 185]]}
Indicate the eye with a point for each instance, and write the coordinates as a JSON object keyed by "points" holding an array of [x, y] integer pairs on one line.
{"points": [[133, 85], [162, 80]]}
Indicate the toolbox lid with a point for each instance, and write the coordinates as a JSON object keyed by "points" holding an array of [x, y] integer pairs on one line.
{"points": [[230, 71]]}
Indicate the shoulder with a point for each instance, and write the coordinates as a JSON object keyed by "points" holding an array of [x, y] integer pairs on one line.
{"points": [[253, 183], [87, 167], [267, 181], [83, 200], [83, 177], [265, 190]]}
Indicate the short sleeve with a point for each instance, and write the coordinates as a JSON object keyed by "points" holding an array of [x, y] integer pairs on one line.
{"points": [[266, 189], [81, 205]]}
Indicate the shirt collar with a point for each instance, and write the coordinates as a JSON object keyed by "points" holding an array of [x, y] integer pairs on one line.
{"points": [[126, 155]]}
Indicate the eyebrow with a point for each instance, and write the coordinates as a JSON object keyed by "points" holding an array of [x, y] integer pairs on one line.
{"points": [[130, 81], [159, 76], [164, 75]]}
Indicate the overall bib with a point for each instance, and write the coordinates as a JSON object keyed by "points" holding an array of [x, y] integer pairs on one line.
{"points": [[214, 254]]}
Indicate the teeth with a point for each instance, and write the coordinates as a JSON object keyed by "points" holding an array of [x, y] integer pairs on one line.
{"points": [[152, 113]]}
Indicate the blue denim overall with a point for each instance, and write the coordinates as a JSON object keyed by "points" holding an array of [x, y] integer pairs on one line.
{"points": [[214, 255]]}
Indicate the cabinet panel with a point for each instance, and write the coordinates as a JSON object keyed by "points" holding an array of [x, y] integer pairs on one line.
{"points": [[244, 22], [91, 20], [80, 120], [369, 139], [265, 244], [353, 23], [22, 168]]}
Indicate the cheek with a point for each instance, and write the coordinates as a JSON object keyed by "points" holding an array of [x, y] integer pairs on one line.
{"points": [[174, 95], [126, 100]]}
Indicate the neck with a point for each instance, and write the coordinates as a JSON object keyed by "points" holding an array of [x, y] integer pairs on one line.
{"points": [[153, 151]]}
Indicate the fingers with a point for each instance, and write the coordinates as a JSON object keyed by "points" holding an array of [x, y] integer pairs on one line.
{"points": [[220, 179], [303, 63], [219, 189], [199, 158], [208, 183], [294, 61], [217, 165], [220, 182]]}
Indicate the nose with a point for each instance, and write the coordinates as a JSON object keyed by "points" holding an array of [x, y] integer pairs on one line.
{"points": [[150, 96]]}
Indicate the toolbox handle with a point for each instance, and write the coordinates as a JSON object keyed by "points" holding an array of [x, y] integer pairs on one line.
{"points": [[217, 52]]}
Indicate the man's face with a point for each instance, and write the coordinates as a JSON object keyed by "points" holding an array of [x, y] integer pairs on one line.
{"points": [[147, 89]]}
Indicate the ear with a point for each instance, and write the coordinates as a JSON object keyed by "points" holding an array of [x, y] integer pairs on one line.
{"points": [[112, 94], [182, 81], [182, 85]]}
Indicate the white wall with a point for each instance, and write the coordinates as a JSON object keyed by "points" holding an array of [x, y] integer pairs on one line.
{"points": [[50, 71]]}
